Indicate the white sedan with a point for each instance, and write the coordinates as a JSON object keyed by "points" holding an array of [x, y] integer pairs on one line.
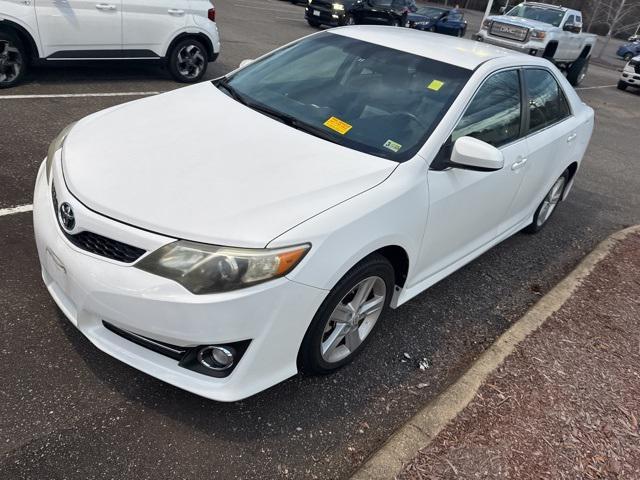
{"points": [[224, 236]]}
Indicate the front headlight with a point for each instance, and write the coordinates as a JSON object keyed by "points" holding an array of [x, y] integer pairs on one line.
{"points": [[202, 268], [338, 6], [538, 35], [55, 146], [486, 24]]}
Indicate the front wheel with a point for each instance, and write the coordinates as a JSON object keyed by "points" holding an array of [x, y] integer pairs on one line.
{"points": [[313, 23], [548, 204], [348, 20], [188, 61], [348, 315], [628, 56], [13, 60], [622, 85]]}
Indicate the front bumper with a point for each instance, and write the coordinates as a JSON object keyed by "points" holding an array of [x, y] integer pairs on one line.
{"points": [[324, 17], [90, 290], [630, 78], [530, 47]]}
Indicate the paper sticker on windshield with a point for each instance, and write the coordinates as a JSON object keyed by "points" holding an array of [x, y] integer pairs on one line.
{"points": [[435, 85], [393, 146], [338, 125]]}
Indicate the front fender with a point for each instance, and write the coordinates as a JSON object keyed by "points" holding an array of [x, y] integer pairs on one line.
{"points": [[393, 213]]}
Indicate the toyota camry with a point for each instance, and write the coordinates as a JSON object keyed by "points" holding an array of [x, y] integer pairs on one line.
{"points": [[224, 236]]}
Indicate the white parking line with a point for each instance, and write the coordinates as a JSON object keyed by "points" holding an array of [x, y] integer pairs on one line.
{"points": [[14, 210], [591, 88], [80, 95]]}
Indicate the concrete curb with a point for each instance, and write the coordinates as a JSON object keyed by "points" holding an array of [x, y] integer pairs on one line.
{"points": [[420, 430]]}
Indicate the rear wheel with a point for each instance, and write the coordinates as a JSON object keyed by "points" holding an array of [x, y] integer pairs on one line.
{"points": [[548, 204], [13, 60], [188, 60], [348, 315], [622, 85], [578, 71]]}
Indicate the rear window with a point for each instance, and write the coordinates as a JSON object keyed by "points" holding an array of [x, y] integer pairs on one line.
{"points": [[360, 95]]}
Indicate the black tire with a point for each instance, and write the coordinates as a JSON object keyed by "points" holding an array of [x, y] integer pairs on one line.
{"points": [[313, 23], [539, 222], [14, 60], [394, 22], [628, 56], [348, 19], [188, 60], [622, 85], [310, 359], [577, 71]]}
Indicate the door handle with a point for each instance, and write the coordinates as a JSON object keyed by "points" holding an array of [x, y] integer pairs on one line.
{"points": [[105, 6], [571, 137], [519, 164], [175, 11]]}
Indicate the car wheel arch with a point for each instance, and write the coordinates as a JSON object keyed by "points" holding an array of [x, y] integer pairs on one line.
{"points": [[23, 35], [206, 41]]}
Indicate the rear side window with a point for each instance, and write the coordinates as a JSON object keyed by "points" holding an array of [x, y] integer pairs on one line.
{"points": [[494, 114], [547, 102]]}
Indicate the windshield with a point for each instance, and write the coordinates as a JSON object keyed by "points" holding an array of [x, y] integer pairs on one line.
{"points": [[552, 16], [360, 95], [431, 12]]}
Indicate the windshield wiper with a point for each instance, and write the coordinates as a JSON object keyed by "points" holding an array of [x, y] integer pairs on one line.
{"points": [[223, 83]]}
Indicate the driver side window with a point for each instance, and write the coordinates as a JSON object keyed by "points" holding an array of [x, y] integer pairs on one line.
{"points": [[494, 115]]}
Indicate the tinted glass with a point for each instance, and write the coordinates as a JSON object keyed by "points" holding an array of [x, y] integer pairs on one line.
{"points": [[494, 114], [547, 103], [363, 96]]}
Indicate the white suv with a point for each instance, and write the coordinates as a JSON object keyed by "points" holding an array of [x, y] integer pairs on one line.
{"points": [[182, 33]]}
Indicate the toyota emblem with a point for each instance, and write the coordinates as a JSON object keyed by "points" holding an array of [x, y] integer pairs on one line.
{"points": [[67, 218]]}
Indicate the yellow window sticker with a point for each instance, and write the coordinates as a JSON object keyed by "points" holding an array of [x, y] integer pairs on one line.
{"points": [[391, 145], [338, 125], [435, 85]]}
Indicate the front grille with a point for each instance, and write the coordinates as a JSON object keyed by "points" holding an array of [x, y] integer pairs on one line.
{"points": [[512, 32], [97, 244]]}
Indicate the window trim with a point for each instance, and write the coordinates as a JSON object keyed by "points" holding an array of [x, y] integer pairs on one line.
{"points": [[444, 153]]}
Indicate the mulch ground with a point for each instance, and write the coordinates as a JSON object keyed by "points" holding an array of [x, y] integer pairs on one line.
{"points": [[566, 403]]}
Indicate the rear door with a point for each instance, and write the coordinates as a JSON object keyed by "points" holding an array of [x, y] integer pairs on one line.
{"points": [[80, 28], [551, 139], [149, 26]]}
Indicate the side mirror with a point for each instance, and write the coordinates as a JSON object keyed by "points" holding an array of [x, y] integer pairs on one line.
{"points": [[502, 10], [571, 27], [245, 62], [472, 154]]}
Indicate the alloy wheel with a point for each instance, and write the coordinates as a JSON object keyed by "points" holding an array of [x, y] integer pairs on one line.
{"points": [[191, 61], [551, 201], [11, 62], [353, 319]]}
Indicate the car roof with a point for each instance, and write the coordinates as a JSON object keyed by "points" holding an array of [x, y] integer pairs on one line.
{"points": [[453, 50]]}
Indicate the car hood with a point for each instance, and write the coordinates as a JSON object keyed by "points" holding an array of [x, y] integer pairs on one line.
{"points": [[523, 22], [195, 164], [416, 17]]}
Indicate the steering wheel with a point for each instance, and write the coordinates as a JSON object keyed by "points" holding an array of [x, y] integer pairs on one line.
{"points": [[413, 118]]}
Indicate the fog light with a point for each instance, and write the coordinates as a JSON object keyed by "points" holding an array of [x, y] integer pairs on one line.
{"points": [[216, 358], [533, 52]]}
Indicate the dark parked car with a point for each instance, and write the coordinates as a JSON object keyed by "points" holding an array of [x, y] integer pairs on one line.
{"points": [[629, 50], [330, 12], [440, 20], [349, 12]]}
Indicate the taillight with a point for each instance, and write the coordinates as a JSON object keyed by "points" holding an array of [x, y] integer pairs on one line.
{"points": [[211, 14]]}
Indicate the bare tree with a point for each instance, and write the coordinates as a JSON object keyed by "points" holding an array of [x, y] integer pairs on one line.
{"points": [[617, 15]]}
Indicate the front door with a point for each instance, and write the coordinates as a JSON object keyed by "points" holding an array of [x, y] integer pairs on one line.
{"points": [[468, 208], [79, 28]]}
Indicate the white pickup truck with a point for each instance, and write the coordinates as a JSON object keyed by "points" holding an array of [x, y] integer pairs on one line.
{"points": [[546, 31]]}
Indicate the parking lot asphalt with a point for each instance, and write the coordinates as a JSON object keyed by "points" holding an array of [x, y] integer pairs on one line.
{"points": [[69, 411]]}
